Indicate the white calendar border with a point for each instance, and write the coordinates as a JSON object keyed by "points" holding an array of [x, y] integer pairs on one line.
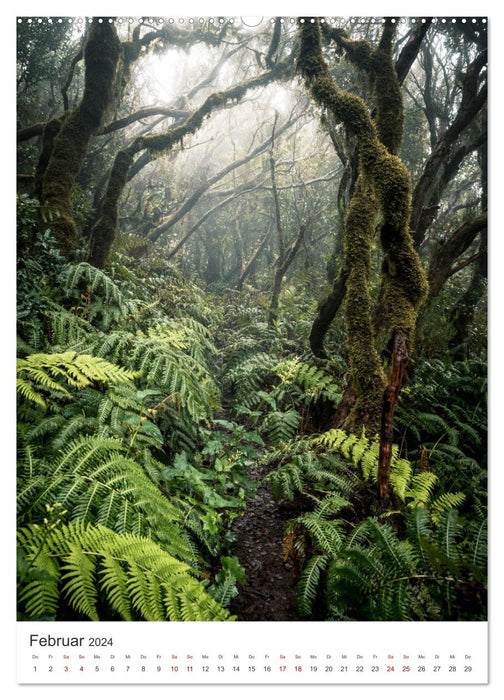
{"points": [[261, 8]]}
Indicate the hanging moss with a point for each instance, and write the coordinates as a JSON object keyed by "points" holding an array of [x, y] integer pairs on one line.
{"points": [[70, 145]]}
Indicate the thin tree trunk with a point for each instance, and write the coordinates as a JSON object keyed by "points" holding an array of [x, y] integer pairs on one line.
{"points": [[327, 310], [280, 271], [442, 265], [472, 101], [249, 266], [463, 314]]}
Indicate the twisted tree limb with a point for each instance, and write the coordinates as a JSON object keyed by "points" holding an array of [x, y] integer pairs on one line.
{"points": [[384, 187]]}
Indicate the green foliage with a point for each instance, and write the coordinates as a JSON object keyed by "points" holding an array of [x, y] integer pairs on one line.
{"points": [[116, 425], [299, 469], [146, 403], [246, 372], [96, 482], [305, 382], [121, 451], [421, 564], [412, 489], [164, 356], [281, 426], [96, 297], [224, 589], [368, 572], [442, 420], [39, 264], [56, 373], [89, 567]]}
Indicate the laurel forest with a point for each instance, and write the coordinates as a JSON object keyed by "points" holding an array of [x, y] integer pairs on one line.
{"points": [[251, 313]]}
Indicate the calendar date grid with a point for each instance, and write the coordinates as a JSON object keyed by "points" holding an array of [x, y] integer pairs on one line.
{"points": [[180, 653], [267, 665]]}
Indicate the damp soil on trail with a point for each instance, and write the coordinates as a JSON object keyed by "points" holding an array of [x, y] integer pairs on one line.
{"points": [[270, 593]]}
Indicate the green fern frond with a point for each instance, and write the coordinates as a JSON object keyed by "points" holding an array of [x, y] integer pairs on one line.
{"points": [[400, 476], [448, 531], [363, 453], [282, 426], [395, 553], [130, 573], [308, 584], [307, 381], [115, 585], [124, 242], [77, 575], [330, 505], [45, 428], [432, 422], [47, 372], [30, 338], [332, 439], [224, 591], [185, 382], [95, 279], [445, 502], [39, 576], [95, 481], [246, 376], [421, 488], [418, 529], [286, 480], [478, 537], [77, 426], [103, 302], [27, 390], [305, 471], [66, 328], [327, 535]]}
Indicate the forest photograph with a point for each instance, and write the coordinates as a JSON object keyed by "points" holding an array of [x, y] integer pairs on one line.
{"points": [[251, 319]]}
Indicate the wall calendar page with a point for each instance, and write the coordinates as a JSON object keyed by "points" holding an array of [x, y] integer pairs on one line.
{"points": [[252, 350]]}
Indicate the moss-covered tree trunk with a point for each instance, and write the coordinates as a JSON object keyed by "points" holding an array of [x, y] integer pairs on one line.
{"points": [[361, 54], [70, 144], [382, 193]]}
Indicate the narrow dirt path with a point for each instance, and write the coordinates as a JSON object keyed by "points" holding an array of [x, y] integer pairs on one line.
{"points": [[270, 593]]}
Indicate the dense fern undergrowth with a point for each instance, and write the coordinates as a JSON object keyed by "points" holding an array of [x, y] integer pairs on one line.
{"points": [[143, 403]]}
